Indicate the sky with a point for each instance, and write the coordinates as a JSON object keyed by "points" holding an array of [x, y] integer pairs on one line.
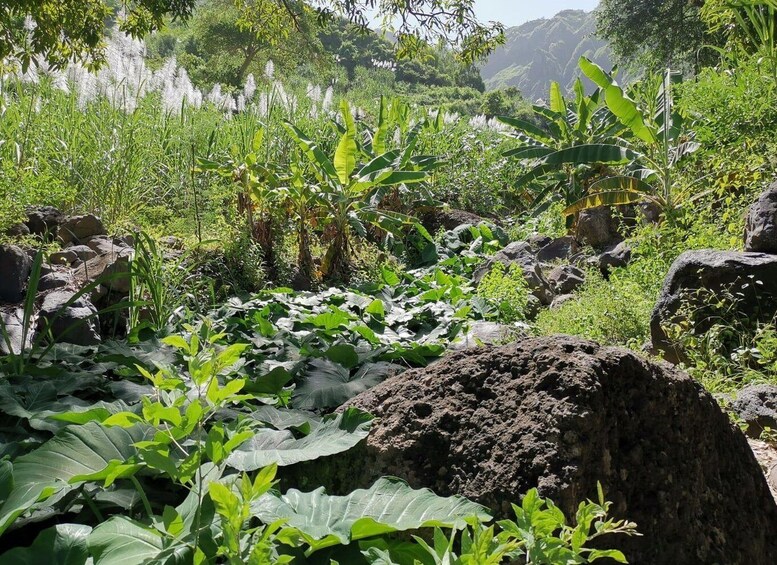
{"points": [[515, 12]]}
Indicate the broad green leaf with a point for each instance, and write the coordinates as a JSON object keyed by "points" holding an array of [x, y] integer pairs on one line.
{"points": [[624, 108], [345, 154], [336, 433], [399, 177], [531, 152], [610, 198], [74, 451], [590, 154], [329, 384], [122, 541], [526, 127], [344, 354], [390, 505], [63, 544], [312, 151], [557, 103], [331, 320]]}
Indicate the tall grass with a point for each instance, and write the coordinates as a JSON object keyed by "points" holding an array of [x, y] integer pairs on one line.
{"points": [[122, 143]]}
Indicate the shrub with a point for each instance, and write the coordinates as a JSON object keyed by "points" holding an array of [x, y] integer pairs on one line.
{"points": [[506, 288], [612, 312]]}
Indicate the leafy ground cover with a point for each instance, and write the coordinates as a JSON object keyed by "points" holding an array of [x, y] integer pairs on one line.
{"points": [[167, 446]]}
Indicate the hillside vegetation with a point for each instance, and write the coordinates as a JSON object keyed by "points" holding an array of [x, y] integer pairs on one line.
{"points": [[541, 51]]}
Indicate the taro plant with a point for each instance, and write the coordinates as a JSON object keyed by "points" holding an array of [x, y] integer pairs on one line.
{"points": [[350, 193]]}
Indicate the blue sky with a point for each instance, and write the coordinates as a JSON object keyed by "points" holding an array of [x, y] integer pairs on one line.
{"points": [[515, 12]]}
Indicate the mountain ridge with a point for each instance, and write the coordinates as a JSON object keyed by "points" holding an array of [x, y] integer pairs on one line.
{"points": [[540, 51]]}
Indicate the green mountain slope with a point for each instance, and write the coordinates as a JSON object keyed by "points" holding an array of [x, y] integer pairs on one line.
{"points": [[544, 50]]}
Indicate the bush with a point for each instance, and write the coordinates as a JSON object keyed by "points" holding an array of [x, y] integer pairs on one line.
{"points": [[611, 312], [506, 288]]}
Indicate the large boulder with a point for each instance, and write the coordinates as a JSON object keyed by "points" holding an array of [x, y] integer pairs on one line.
{"points": [[447, 218], [15, 267], [79, 228], [111, 264], [566, 279], [13, 337], [697, 275], [44, 221], [761, 227], [597, 227], [69, 320], [559, 249], [522, 254], [614, 257], [562, 414]]}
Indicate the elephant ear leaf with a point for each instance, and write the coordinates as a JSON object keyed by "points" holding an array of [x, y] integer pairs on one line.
{"points": [[55, 467], [345, 155], [63, 544], [390, 505], [334, 434]]}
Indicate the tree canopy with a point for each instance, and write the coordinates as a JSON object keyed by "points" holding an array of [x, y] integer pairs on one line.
{"points": [[60, 31], [654, 33]]}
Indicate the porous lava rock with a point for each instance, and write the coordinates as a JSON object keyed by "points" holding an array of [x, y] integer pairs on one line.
{"points": [[15, 267], [761, 226], [756, 406], [44, 220], [696, 276], [560, 414], [80, 228], [598, 227]]}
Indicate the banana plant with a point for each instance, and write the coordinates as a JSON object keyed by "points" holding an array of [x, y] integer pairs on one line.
{"points": [[396, 131], [350, 193], [572, 144], [658, 143], [258, 184]]}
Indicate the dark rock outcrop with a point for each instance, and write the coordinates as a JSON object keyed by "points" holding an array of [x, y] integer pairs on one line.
{"points": [[761, 226], [69, 322], [520, 253], [44, 220], [15, 267], [562, 414], [559, 249], [565, 279], [616, 256], [597, 227], [79, 228], [695, 275], [448, 219]]}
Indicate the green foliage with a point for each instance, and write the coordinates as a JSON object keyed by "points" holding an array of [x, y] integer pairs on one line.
{"points": [[658, 135], [545, 50], [613, 312], [568, 150], [539, 535], [726, 346], [507, 289], [729, 105], [656, 34], [68, 30]]}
